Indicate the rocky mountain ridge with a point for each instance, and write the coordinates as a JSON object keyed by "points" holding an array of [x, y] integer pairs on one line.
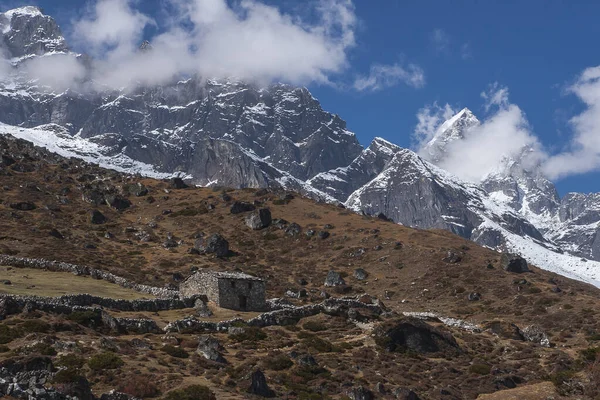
{"points": [[236, 134]]}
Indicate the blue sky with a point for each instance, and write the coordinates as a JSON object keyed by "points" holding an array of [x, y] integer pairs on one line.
{"points": [[535, 48]]}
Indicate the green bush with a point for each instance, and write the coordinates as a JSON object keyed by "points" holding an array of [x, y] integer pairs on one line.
{"points": [[277, 362], [590, 354], [8, 334], [194, 392], [35, 325], [250, 334], [106, 360], [4, 349], [66, 376], [314, 326], [85, 318], [320, 345], [43, 349], [481, 369], [71, 361], [173, 351]]}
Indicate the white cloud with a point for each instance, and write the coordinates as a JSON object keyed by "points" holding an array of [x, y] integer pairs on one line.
{"points": [[248, 40], [440, 40], [44, 70], [384, 76], [495, 95], [485, 147], [583, 153]]}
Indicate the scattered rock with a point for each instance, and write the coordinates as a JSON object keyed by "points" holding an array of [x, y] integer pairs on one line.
{"points": [[259, 219], [259, 385], [328, 226], [202, 309], [360, 274], [55, 233], [410, 334], [360, 393], [293, 229], [178, 183], [170, 244], [97, 218], [117, 202], [210, 348], [513, 263], [6, 282], [323, 235], [23, 206], [241, 207], [535, 334], [307, 360], [302, 281], [225, 197], [383, 217], [405, 394], [215, 244], [452, 258], [136, 189], [310, 233], [504, 330], [334, 279], [474, 296]]}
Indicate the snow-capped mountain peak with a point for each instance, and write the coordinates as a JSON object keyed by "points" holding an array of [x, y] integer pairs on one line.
{"points": [[450, 131]]}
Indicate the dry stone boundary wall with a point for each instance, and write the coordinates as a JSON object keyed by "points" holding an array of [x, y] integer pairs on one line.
{"points": [[21, 262]]}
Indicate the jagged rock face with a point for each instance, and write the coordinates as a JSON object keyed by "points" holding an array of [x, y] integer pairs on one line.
{"points": [[341, 182], [26, 31]]}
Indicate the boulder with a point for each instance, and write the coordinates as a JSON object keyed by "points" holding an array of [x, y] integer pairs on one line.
{"points": [[535, 334], [452, 258], [293, 229], [23, 206], [97, 218], [117, 202], [405, 394], [136, 189], [474, 296], [334, 279], [323, 235], [240, 207], [513, 263], [360, 393], [259, 219], [259, 385], [55, 233], [360, 274], [215, 244], [414, 335], [210, 348], [177, 183]]}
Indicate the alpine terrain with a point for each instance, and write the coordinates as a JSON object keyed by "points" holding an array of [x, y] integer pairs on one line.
{"points": [[234, 134]]}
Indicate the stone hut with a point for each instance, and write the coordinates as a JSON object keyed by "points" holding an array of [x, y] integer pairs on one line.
{"points": [[232, 290]]}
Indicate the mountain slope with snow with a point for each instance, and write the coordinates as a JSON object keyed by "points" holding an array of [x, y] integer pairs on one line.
{"points": [[236, 134]]}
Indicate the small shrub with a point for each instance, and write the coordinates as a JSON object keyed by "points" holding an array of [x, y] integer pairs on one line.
{"points": [[561, 377], [71, 361], [480, 369], [43, 349], [590, 354], [85, 318], [66, 376], [194, 392], [35, 325], [176, 352], [277, 362], [103, 361], [4, 349], [250, 334], [8, 334], [568, 307], [320, 345], [140, 386], [314, 326]]}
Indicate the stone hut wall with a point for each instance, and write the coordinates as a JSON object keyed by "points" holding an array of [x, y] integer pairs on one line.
{"points": [[241, 294], [201, 283]]}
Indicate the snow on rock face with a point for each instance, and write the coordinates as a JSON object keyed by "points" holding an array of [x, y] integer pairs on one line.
{"points": [[451, 130], [231, 133]]}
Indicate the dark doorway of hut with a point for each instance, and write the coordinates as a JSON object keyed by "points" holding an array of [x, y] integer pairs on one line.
{"points": [[243, 302]]}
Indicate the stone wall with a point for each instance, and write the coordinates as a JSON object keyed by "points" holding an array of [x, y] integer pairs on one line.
{"points": [[201, 283], [346, 307], [20, 262], [233, 293]]}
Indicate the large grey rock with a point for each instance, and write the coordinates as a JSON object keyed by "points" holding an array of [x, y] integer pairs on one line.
{"points": [[334, 279], [259, 219], [210, 348], [513, 263], [215, 244], [259, 386]]}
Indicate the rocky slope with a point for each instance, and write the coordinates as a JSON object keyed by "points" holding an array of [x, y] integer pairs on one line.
{"points": [[234, 134]]}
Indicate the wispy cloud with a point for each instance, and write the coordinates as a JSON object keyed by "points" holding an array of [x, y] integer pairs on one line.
{"points": [[444, 44], [385, 76]]}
